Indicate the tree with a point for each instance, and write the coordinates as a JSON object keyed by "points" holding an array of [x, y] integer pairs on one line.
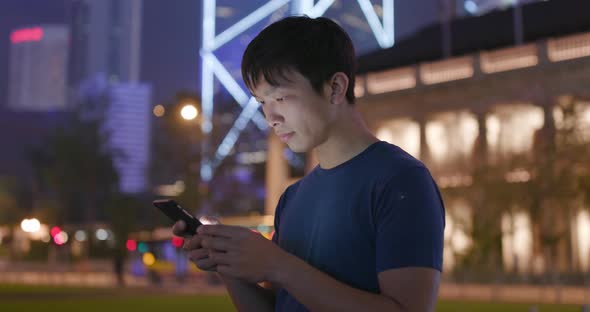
{"points": [[75, 166], [9, 212]]}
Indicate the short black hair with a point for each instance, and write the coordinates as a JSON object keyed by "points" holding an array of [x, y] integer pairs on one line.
{"points": [[315, 47]]}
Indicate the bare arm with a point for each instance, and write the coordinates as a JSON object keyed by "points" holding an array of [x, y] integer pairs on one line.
{"points": [[248, 296], [405, 289]]}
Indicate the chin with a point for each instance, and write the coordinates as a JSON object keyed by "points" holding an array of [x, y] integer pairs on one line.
{"points": [[299, 148]]}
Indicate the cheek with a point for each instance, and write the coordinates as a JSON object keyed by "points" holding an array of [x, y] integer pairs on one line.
{"points": [[313, 123]]}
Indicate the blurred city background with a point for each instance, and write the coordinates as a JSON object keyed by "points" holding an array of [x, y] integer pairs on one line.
{"points": [[106, 105]]}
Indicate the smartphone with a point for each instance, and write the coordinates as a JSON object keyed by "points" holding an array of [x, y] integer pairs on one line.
{"points": [[176, 213]]}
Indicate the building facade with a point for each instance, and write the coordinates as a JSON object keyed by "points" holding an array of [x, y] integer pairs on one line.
{"points": [[128, 123], [38, 68], [105, 59]]}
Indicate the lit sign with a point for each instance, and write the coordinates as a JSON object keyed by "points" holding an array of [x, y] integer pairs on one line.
{"points": [[26, 35]]}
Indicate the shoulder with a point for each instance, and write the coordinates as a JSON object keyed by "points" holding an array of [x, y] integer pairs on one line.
{"points": [[292, 189], [287, 195], [394, 163]]}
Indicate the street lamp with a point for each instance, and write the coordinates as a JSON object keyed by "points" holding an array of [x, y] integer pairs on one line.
{"points": [[189, 112]]}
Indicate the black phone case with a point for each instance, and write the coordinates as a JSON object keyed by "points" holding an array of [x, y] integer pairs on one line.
{"points": [[175, 212]]}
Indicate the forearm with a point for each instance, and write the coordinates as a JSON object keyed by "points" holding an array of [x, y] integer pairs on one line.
{"points": [[249, 296], [320, 292]]}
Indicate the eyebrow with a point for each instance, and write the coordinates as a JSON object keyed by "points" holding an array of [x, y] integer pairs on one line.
{"points": [[271, 90]]}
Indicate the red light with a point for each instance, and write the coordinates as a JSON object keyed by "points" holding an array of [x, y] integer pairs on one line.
{"points": [[177, 241], [59, 239], [54, 231], [131, 245], [26, 35]]}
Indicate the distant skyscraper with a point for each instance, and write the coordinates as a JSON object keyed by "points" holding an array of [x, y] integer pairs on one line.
{"points": [[105, 58], [106, 39], [128, 121], [38, 68]]}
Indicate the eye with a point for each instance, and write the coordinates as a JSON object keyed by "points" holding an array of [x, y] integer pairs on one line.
{"points": [[279, 99], [261, 102]]}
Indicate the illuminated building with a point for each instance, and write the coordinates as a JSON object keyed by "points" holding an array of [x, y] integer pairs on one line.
{"points": [[106, 40], [38, 68], [128, 121], [106, 43], [491, 103]]}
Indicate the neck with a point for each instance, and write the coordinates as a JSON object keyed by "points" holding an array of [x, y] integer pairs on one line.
{"points": [[348, 137]]}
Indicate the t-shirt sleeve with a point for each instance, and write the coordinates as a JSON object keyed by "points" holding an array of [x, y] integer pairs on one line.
{"points": [[409, 220], [277, 221]]}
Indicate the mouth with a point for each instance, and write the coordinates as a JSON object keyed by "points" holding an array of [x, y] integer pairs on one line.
{"points": [[285, 137]]}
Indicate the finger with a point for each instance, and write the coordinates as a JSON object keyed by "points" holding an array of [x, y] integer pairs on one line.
{"points": [[217, 243], [220, 258], [227, 231], [206, 264], [193, 243], [201, 260], [198, 254], [179, 229]]}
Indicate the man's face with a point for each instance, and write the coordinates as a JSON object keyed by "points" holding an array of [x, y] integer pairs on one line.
{"points": [[295, 111]]}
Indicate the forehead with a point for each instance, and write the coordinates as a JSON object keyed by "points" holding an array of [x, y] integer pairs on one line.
{"points": [[290, 80]]}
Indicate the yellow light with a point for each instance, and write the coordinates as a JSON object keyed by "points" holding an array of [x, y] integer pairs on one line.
{"points": [[189, 112], [159, 110], [447, 70], [583, 228], [149, 259], [517, 241], [509, 59], [391, 80], [568, 48], [30, 225], [24, 225], [402, 132]]}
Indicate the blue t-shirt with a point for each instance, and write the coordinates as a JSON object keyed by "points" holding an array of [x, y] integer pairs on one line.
{"points": [[380, 210]]}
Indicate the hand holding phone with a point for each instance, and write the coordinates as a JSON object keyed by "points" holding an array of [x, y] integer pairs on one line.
{"points": [[176, 213]]}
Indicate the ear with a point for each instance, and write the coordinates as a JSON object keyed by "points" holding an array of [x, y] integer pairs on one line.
{"points": [[338, 86]]}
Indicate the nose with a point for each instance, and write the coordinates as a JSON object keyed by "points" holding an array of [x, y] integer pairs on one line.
{"points": [[273, 122], [273, 118]]}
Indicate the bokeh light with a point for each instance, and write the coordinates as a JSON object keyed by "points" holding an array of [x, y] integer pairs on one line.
{"points": [[177, 241], [131, 245], [149, 259], [159, 110], [102, 234], [189, 112], [142, 247]]}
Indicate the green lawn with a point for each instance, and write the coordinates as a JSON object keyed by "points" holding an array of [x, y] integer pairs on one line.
{"points": [[63, 299]]}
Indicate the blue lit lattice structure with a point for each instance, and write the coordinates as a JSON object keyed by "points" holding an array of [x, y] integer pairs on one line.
{"points": [[382, 29], [480, 7]]}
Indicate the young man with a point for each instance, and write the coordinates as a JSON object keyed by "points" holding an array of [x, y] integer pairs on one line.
{"points": [[364, 230]]}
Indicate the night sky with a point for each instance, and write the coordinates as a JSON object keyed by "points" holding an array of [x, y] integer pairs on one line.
{"points": [[171, 37]]}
